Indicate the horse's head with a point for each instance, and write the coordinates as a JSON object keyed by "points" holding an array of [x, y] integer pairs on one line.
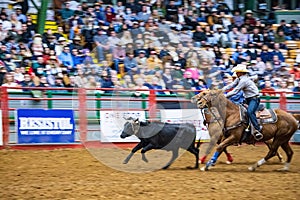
{"points": [[205, 98]]}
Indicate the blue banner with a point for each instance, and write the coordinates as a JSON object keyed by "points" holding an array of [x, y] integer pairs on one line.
{"points": [[45, 126]]}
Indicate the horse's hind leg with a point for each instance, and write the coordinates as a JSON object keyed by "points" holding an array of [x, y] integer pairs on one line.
{"points": [[268, 143], [289, 153], [272, 152]]}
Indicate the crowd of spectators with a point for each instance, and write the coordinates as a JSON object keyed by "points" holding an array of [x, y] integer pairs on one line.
{"points": [[141, 44]]}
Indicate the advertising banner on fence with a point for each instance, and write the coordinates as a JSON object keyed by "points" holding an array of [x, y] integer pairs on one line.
{"points": [[193, 116], [45, 126], [112, 123], [1, 133]]}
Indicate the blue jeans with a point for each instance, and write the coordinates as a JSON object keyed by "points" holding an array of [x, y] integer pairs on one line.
{"points": [[253, 104]]}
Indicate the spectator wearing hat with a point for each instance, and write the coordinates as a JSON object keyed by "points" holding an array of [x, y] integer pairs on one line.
{"points": [[153, 62], [76, 43], [213, 18], [141, 59], [59, 47], [249, 18]]}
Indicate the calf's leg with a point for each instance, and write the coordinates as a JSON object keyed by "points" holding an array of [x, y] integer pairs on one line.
{"points": [[135, 149]]}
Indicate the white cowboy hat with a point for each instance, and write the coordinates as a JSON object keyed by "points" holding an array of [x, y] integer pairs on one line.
{"points": [[249, 11], [240, 68]]}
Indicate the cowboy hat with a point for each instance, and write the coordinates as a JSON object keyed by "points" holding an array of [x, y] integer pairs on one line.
{"points": [[248, 12], [240, 68]]}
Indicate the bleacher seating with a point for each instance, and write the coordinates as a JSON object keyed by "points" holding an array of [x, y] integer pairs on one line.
{"points": [[291, 44], [48, 24], [293, 53]]}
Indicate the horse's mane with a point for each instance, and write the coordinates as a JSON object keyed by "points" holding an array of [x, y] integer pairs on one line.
{"points": [[220, 98]]}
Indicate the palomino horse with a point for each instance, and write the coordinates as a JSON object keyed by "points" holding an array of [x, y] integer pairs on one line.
{"points": [[215, 131], [280, 131]]}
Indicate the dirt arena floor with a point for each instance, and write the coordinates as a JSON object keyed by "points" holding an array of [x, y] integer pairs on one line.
{"points": [[78, 174]]}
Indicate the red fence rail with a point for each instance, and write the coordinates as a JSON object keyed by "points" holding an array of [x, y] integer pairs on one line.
{"points": [[82, 108]]}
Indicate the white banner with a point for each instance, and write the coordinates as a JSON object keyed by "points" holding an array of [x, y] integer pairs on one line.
{"points": [[112, 124], [1, 133], [193, 116]]}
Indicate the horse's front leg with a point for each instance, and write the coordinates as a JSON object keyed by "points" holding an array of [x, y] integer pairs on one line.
{"points": [[225, 143]]}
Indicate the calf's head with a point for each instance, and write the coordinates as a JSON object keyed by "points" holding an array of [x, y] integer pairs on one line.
{"points": [[131, 127]]}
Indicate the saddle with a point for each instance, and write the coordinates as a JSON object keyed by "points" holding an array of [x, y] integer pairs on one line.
{"points": [[263, 115]]}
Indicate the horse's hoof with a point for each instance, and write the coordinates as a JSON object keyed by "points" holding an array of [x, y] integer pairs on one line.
{"points": [[284, 169], [228, 162], [204, 168], [125, 162], [252, 169]]}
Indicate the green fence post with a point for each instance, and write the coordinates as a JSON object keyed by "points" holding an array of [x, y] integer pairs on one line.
{"points": [[268, 104], [42, 13], [98, 104], [50, 102], [144, 105]]}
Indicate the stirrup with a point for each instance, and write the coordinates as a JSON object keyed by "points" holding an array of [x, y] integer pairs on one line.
{"points": [[258, 135]]}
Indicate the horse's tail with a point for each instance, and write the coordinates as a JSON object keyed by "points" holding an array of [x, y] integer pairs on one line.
{"points": [[297, 117]]}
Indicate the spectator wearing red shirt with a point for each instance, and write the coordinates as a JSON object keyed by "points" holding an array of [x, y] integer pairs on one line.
{"points": [[295, 71], [268, 90], [110, 16]]}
